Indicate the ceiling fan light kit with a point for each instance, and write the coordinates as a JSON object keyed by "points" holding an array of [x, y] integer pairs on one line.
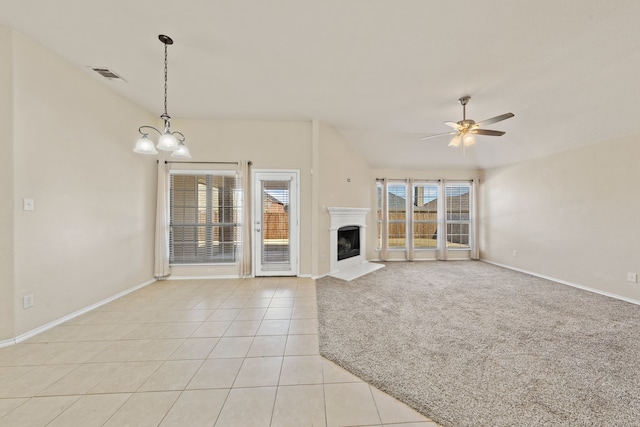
{"points": [[465, 129], [455, 141], [168, 140]]}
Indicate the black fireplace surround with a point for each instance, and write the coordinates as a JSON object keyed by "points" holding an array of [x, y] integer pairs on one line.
{"points": [[348, 242]]}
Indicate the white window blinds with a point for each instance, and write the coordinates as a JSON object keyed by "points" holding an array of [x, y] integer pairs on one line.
{"points": [[205, 212]]}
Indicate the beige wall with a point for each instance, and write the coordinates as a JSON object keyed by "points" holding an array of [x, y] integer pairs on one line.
{"points": [[342, 181], [91, 233], [269, 145], [6, 186], [571, 216], [332, 173]]}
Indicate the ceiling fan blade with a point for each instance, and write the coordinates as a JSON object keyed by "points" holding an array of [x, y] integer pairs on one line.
{"points": [[436, 135], [487, 132], [496, 119], [454, 125]]}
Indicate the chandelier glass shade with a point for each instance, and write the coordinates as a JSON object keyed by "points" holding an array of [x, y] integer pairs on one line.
{"points": [[167, 140]]}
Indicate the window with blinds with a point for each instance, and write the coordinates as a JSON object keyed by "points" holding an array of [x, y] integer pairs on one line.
{"points": [[379, 214], [425, 215], [417, 225], [457, 215], [397, 215], [205, 211]]}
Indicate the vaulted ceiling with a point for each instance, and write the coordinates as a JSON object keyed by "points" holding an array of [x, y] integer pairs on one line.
{"points": [[382, 72]]}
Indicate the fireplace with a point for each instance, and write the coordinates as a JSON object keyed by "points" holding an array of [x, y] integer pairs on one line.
{"points": [[348, 242]]}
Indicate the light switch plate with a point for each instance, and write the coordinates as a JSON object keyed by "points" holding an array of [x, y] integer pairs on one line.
{"points": [[27, 204], [27, 301]]}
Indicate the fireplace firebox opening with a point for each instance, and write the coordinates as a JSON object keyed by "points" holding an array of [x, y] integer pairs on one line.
{"points": [[348, 242]]}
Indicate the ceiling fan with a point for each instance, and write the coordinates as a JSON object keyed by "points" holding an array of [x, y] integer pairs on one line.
{"points": [[465, 129]]}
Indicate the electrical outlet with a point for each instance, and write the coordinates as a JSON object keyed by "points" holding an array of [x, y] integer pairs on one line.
{"points": [[632, 277], [515, 253], [27, 301], [27, 204]]}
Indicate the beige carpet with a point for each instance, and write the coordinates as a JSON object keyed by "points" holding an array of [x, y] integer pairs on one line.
{"points": [[471, 344]]}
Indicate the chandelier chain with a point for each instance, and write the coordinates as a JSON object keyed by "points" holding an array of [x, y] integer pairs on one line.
{"points": [[165, 79]]}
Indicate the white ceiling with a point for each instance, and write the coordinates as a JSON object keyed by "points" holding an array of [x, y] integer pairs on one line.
{"points": [[383, 72]]}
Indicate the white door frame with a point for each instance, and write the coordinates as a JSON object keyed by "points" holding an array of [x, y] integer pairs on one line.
{"points": [[293, 175]]}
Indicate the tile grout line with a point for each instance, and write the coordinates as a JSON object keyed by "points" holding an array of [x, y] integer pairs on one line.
{"points": [[324, 392], [375, 402]]}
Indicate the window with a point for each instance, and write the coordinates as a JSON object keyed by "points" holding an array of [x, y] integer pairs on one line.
{"points": [[397, 213], [204, 213], [425, 216], [458, 218], [437, 217], [379, 215]]}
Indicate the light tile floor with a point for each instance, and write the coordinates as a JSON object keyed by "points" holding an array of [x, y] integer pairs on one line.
{"points": [[191, 353]]}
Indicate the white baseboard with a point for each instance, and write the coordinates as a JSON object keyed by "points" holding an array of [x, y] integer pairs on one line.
{"points": [[228, 276], [7, 343], [564, 282], [232, 276], [43, 328]]}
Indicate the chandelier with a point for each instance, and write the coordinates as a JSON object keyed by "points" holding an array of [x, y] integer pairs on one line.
{"points": [[168, 141]]}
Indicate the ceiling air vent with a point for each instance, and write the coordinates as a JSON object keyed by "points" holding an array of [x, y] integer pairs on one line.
{"points": [[107, 73]]}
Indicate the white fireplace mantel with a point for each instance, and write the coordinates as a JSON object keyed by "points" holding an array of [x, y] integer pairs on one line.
{"points": [[342, 217], [354, 267]]}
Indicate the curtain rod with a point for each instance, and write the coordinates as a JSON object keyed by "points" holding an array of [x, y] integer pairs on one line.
{"points": [[207, 163], [404, 179], [423, 179]]}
